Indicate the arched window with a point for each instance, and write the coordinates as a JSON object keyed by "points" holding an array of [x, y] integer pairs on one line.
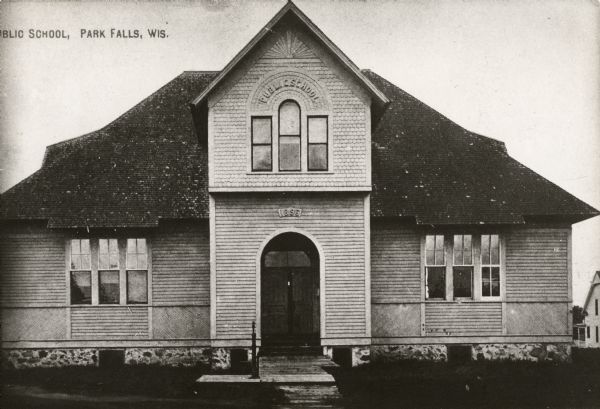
{"points": [[289, 136]]}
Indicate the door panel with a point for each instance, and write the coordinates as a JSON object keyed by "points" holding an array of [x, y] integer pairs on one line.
{"points": [[274, 294], [302, 297]]}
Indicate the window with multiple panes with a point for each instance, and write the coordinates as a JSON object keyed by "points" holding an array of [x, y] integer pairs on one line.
{"points": [[469, 260], [289, 136], [289, 144], [108, 271], [435, 267], [490, 265], [317, 142], [262, 144], [137, 271], [100, 283], [462, 268], [81, 271]]}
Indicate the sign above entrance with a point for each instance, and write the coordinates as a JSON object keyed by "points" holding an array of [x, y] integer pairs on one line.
{"points": [[290, 212]]}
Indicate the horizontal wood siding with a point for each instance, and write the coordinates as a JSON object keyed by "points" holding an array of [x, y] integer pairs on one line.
{"points": [[536, 264], [109, 322], [32, 266], [395, 265], [181, 267], [243, 223], [453, 319]]}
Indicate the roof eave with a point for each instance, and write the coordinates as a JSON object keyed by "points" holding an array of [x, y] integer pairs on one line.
{"points": [[291, 7]]}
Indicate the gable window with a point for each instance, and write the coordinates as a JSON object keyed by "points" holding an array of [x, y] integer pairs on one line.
{"points": [[462, 269], [435, 267], [289, 136], [317, 142], [490, 265], [262, 144], [81, 272], [137, 271]]}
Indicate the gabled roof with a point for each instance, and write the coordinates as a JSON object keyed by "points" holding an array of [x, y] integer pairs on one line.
{"points": [[594, 283], [290, 9], [148, 165]]}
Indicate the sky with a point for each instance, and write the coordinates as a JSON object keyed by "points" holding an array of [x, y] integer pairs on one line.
{"points": [[523, 72]]}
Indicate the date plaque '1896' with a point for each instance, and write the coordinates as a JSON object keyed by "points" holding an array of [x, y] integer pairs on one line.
{"points": [[290, 212]]}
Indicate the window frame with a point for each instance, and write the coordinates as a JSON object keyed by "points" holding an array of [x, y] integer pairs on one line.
{"points": [[71, 270], [299, 136], [462, 265], [491, 266], [253, 144], [308, 143], [435, 265], [477, 282], [95, 271], [146, 270], [102, 270]]}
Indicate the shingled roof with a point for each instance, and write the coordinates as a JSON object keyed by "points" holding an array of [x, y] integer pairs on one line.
{"points": [[147, 165]]}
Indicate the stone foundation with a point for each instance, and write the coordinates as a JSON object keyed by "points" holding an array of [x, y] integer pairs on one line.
{"points": [[220, 359], [46, 358], [393, 353], [216, 358], [168, 356], [361, 355], [522, 352]]}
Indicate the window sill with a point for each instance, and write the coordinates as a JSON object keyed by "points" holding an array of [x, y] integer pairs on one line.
{"points": [[106, 305], [291, 172], [463, 301]]}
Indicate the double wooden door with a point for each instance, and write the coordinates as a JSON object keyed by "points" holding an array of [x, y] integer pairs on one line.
{"points": [[288, 297]]}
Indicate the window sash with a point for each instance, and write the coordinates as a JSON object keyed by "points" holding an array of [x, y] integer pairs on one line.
{"points": [[109, 289], [80, 257], [435, 282], [265, 145], [466, 290], [435, 253], [80, 292], [137, 254], [318, 143], [137, 295], [290, 157]]}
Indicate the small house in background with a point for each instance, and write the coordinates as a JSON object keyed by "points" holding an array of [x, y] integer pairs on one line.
{"points": [[591, 313], [295, 191]]}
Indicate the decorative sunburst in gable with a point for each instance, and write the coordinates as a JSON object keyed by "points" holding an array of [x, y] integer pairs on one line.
{"points": [[289, 46]]}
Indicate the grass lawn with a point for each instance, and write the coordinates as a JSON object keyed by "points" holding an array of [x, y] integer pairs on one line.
{"points": [[474, 384]]}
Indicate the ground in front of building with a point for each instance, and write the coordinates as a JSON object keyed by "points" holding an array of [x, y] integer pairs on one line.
{"points": [[394, 385]]}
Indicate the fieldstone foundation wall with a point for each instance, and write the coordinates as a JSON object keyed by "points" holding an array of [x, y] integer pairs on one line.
{"points": [[393, 353], [45, 358], [522, 352], [361, 355], [168, 356]]}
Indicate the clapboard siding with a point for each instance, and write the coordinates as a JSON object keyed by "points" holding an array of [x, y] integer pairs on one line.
{"points": [[32, 266], [395, 265], [348, 117], [453, 319], [181, 267], [243, 223], [536, 264], [109, 322]]}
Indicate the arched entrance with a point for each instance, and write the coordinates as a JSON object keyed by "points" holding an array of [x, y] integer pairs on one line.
{"points": [[290, 291]]}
